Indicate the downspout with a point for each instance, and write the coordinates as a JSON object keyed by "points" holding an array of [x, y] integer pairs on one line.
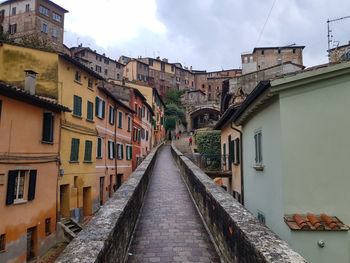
{"points": [[241, 135], [115, 143]]}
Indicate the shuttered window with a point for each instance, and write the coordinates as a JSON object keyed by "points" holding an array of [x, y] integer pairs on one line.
{"points": [[120, 120], [77, 106], [237, 151], [90, 111], [120, 151], [146, 135], [48, 123], [74, 152], [258, 149], [16, 186], [100, 106], [88, 151], [139, 136], [129, 123], [111, 150], [32, 184], [99, 147], [128, 150], [111, 114]]}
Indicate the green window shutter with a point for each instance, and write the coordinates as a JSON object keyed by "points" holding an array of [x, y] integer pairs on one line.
{"points": [[233, 151], [122, 152], [77, 106], [88, 150], [48, 121], [109, 150], [96, 106], [90, 111], [99, 147], [103, 109], [120, 119], [237, 151], [74, 154], [130, 152], [32, 183], [129, 123], [11, 186]]}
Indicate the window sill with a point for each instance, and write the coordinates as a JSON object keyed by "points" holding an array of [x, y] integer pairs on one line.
{"points": [[20, 202], [77, 116], [236, 163], [76, 81], [87, 161], [98, 157], [92, 121], [74, 161], [90, 88], [45, 142], [259, 167]]}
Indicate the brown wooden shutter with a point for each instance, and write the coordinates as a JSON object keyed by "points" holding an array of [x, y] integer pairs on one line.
{"points": [[32, 184], [11, 186]]}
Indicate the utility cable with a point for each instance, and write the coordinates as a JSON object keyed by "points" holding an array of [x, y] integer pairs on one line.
{"points": [[267, 19]]}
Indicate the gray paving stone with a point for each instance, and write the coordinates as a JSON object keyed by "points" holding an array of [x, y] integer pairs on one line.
{"points": [[170, 229]]}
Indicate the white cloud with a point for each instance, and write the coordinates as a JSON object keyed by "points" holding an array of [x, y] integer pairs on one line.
{"points": [[111, 21]]}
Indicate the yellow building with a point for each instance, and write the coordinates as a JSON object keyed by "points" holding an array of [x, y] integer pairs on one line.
{"points": [[75, 86]]}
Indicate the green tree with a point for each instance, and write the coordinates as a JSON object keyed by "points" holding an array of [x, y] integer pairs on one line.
{"points": [[173, 96]]}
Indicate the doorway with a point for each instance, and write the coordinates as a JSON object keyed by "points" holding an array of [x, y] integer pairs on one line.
{"points": [[31, 242], [119, 180], [87, 208], [102, 182], [64, 201]]}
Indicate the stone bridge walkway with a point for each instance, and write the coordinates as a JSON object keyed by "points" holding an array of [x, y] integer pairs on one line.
{"points": [[170, 229]]}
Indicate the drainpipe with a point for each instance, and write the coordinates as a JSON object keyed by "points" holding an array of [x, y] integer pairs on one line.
{"points": [[115, 144], [241, 135]]}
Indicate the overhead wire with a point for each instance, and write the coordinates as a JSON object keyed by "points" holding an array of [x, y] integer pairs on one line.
{"points": [[267, 19]]}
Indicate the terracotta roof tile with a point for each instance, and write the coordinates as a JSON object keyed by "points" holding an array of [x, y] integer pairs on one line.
{"points": [[311, 222]]}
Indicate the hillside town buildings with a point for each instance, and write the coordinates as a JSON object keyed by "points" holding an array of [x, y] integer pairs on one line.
{"points": [[33, 19]]}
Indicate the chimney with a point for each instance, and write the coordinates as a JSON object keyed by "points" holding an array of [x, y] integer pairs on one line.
{"points": [[29, 83]]}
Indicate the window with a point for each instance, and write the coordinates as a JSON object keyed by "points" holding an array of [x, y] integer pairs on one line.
{"points": [[13, 29], [224, 153], [111, 150], [90, 111], [120, 120], [262, 52], [140, 66], [111, 115], [120, 151], [77, 76], [2, 242], [293, 50], [56, 17], [162, 67], [98, 69], [44, 28], [136, 109], [16, 187], [74, 151], [45, 11], [13, 11], [140, 113], [172, 68], [54, 32], [77, 106], [99, 147], [143, 111], [150, 62], [279, 62], [135, 134], [48, 226], [279, 51], [48, 122], [88, 151], [89, 83], [145, 67], [237, 161], [106, 71], [143, 133], [100, 108], [129, 123], [146, 135], [128, 150], [27, 8], [261, 218], [251, 59], [258, 149], [118, 76], [139, 136]]}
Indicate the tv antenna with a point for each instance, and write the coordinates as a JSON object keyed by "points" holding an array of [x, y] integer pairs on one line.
{"points": [[330, 36]]}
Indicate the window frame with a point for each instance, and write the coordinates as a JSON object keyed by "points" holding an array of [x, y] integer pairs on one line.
{"points": [[120, 119], [88, 151], [74, 152], [111, 116], [90, 111], [258, 148], [99, 147], [77, 106], [51, 127]]}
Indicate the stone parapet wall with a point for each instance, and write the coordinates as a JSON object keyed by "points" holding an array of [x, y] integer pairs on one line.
{"points": [[107, 236], [239, 236]]}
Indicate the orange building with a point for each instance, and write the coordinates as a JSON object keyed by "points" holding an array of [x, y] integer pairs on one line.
{"points": [[114, 148], [29, 168]]}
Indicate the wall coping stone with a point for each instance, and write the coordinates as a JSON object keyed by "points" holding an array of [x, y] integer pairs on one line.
{"points": [[268, 246], [96, 237]]}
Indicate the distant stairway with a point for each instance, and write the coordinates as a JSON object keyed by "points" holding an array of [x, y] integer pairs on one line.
{"points": [[70, 227]]}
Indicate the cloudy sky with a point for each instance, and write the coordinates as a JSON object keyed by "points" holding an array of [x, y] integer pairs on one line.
{"points": [[205, 34]]}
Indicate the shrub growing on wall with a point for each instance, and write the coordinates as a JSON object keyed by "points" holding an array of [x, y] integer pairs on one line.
{"points": [[208, 142]]}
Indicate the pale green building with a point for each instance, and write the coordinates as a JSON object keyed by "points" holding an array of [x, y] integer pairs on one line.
{"points": [[296, 151]]}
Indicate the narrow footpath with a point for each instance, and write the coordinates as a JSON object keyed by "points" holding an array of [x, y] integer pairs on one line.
{"points": [[170, 229]]}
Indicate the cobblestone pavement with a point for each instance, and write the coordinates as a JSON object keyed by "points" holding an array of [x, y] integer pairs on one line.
{"points": [[170, 229]]}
